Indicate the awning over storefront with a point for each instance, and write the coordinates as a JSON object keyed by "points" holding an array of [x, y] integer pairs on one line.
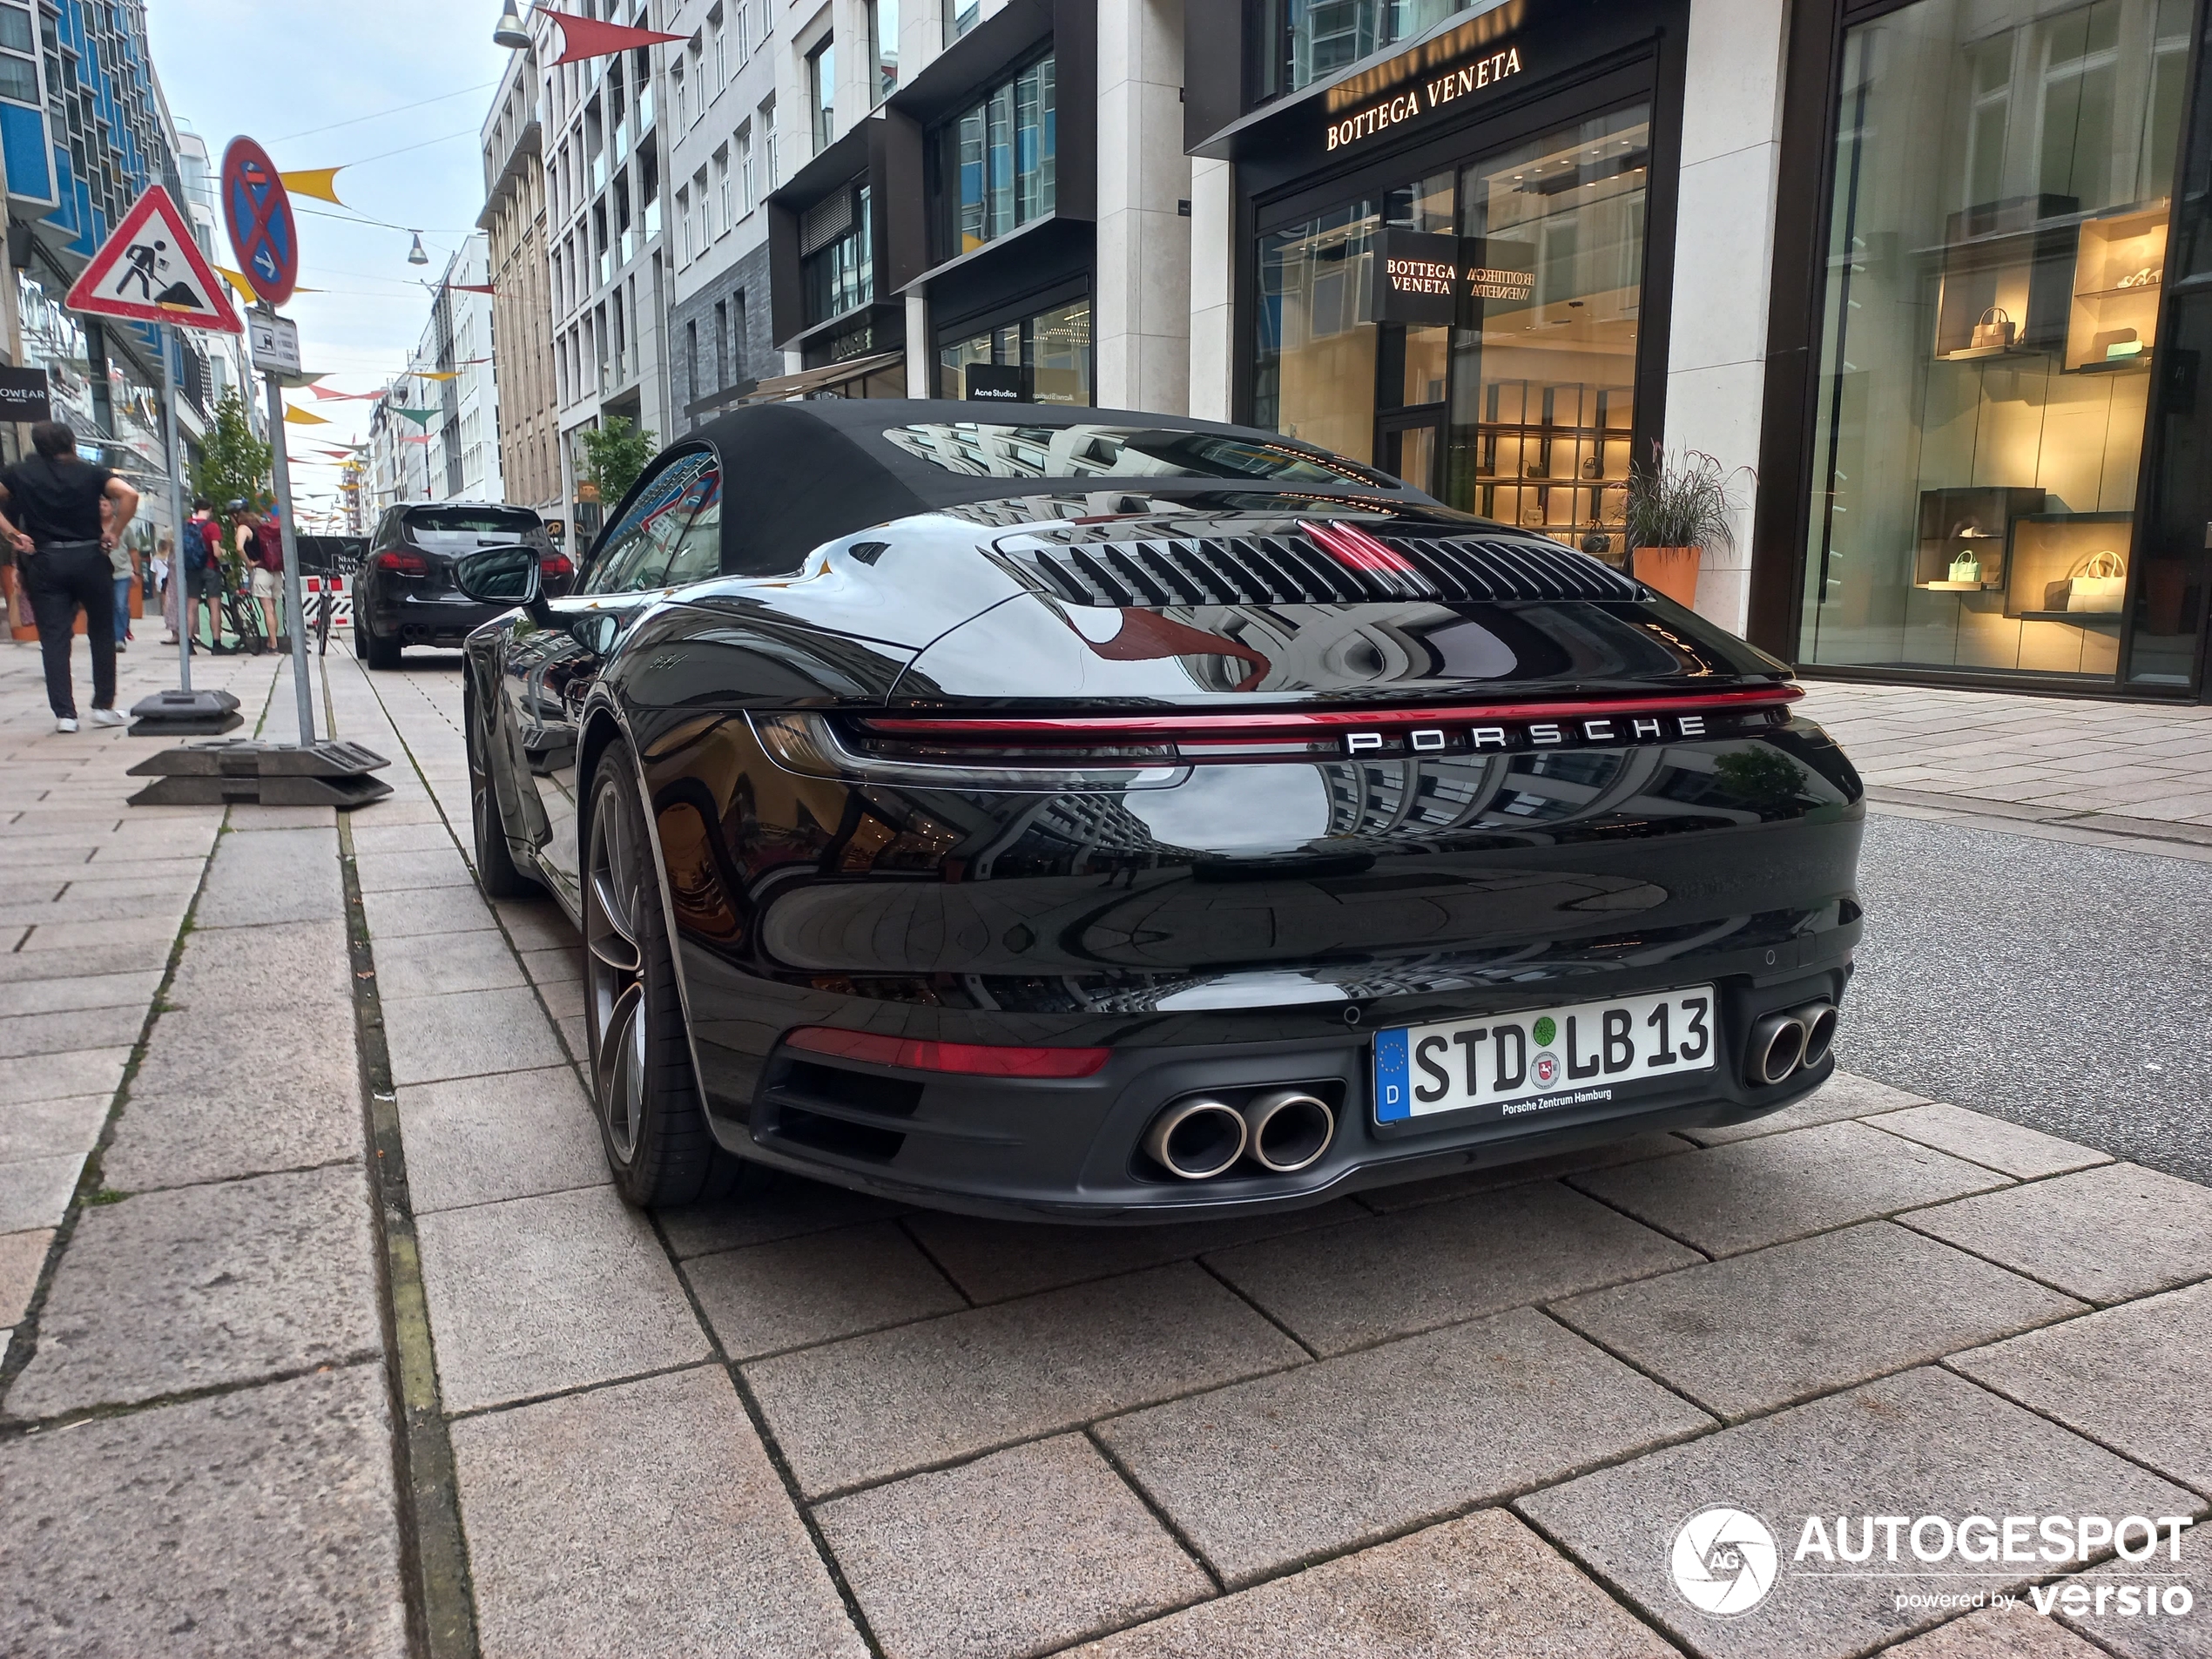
{"points": [[813, 380]]}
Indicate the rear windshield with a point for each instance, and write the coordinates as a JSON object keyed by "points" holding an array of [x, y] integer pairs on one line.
{"points": [[980, 449], [474, 520]]}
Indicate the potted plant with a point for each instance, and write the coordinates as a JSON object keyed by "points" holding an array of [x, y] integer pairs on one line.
{"points": [[1676, 508]]}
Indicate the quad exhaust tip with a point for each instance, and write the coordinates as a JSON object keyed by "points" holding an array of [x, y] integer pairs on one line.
{"points": [[1197, 1137], [1784, 1043], [1284, 1130]]}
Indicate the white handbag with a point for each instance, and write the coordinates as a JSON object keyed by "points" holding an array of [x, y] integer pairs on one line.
{"points": [[2101, 585]]}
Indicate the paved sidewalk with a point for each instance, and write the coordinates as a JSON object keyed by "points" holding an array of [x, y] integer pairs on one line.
{"points": [[1461, 1419]]}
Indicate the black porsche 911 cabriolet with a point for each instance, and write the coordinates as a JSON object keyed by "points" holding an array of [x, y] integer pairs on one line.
{"points": [[1082, 814]]}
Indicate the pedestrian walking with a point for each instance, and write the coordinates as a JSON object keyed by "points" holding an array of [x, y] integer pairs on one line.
{"points": [[201, 575], [51, 512], [161, 572], [123, 562], [262, 543]]}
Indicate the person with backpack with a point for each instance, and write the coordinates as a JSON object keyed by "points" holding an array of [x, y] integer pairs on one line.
{"points": [[198, 576], [261, 544], [63, 516]]}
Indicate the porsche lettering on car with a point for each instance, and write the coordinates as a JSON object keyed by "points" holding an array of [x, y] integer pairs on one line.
{"points": [[1099, 816]]}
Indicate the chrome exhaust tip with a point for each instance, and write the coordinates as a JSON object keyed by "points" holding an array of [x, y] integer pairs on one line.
{"points": [[1197, 1137], [1819, 1021], [1778, 1047], [1289, 1130]]}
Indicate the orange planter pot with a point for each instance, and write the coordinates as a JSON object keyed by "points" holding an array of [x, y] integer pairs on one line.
{"points": [[1672, 570]]}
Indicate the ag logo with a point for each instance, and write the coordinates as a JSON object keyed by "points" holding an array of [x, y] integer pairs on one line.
{"points": [[1723, 1560]]}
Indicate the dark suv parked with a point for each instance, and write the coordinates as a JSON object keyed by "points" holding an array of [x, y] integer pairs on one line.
{"points": [[405, 593]]}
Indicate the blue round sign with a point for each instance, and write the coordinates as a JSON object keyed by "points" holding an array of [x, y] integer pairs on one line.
{"points": [[258, 212]]}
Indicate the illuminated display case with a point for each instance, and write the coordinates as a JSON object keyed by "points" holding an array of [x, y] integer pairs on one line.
{"points": [[1974, 523], [2118, 276], [2048, 549]]}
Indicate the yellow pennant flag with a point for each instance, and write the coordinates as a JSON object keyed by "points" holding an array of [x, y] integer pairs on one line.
{"points": [[319, 182], [236, 279], [302, 418], [437, 374]]}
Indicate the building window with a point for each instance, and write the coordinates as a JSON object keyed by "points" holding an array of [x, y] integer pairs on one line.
{"points": [[821, 92], [739, 355], [721, 50], [683, 220], [725, 217], [705, 208], [1988, 342], [772, 153], [883, 48], [683, 97], [836, 266], [1318, 39], [748, 197], [1052, 349], [995, 161], [960, 16]]}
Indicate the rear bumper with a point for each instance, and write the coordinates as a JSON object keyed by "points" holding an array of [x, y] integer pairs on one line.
{"points": [[431, 619], [1070, 1151]]}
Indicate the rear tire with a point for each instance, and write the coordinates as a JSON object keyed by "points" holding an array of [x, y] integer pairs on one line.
{"points": [[496, 868], [651, 1123], [377, 651]]}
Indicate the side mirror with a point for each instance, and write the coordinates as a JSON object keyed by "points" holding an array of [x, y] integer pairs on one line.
{"points": [[504, 576]]}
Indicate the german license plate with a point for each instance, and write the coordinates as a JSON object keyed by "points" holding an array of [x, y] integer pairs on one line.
{"points": [[1542, 1059]]}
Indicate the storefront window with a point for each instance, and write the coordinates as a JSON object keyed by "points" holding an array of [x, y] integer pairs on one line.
{"points": [[836, 263], [1512, 391], [1321, 38], [997, 162], [1051, 351], [1996, 263]]}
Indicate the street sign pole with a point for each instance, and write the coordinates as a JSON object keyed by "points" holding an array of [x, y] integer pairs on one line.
{"points": [[179, 589], [303, 692]]}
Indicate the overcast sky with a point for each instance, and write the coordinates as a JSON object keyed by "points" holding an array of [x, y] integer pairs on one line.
{"points": [[279, 71]]}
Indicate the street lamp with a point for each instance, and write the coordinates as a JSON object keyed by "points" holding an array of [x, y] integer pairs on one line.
{"points": [[414, 254], [509, 31]]}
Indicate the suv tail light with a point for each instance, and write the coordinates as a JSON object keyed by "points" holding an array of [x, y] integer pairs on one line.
{"points": [[971, 1059], [401, 563], [555, 566]]}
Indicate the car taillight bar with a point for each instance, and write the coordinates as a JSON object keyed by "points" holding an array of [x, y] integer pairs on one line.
{"points": [[401, 563], [966, 1059], [553, 564], [1351, 546], [1262, 726]]}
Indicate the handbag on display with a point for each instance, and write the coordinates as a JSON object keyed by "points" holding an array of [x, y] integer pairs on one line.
{"points": [[1995, 329], [2100, 585], [1966, 568]]}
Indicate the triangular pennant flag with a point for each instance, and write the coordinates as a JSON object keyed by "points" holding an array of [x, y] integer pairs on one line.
{"points": [[325, 392], [408, 437], [319, 182], [149, 270], [421, 417], [302, 418], [583, 38], [236, 279], [473, 287], [437, 374]]}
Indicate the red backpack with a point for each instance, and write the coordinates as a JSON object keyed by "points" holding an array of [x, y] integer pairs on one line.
{"points": [[268, 546]]}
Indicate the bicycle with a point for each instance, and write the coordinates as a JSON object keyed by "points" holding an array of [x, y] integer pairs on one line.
{"points": [[243, 613]]}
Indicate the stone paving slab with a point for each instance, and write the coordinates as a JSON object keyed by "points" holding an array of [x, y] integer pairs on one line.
{"points": [[993, 1260], [2104, 1234], [154, 933], [900, 1400], [2024, 1154], [478, 1140], [29, 1035], [22, 1255], [1844, 1095], [468, 1033], [399, 915], [1745, 1194], [90, 991], [280, 875], [799, 1292], [642, 1519], [200, 1286], [281, 965], [1484, 1588], [1922, 1443], [435, 964], [1265, 1474], [35, 1193], [84, 1071], [1017, 1553], [1748, 1334], [41, 1129], [2135, 1378], [2137, 1638], [537, 1294], [1346, 1286], [18, 968], [253, 1522], [415, 870], [1997, 1633]]}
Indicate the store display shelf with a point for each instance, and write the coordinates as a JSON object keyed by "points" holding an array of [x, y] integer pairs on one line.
{"points": [[2079, 618], [1959, 587]]}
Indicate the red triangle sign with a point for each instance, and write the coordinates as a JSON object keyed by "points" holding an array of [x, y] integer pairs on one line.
{"points": [[151, 271]]}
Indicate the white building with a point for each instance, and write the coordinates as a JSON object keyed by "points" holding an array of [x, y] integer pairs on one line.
{"points": [[453, 392]]}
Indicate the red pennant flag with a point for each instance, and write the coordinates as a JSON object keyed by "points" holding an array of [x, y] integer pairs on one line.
{"points": [[479, 287], [589, 37]]}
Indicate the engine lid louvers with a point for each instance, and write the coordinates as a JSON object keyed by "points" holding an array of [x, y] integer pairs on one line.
{"points": [[1298, 568]]}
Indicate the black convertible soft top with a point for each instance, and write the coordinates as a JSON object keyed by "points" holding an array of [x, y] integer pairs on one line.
{"points": [[797, 475]]}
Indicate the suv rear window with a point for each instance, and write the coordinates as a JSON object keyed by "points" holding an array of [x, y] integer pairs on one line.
{"points": [[474, 520]]}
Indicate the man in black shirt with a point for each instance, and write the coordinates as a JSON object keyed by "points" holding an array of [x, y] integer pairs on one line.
{"points": [[52, 513]]}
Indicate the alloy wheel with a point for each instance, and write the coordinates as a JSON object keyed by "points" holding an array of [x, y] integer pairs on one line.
{"points": [[614, 965]]}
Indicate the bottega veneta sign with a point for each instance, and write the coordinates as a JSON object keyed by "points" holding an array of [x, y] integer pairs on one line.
{"points": [[1427, 278], [1425, 97]]}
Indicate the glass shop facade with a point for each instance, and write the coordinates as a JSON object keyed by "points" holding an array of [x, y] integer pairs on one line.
{"points": [[1974, 416]]}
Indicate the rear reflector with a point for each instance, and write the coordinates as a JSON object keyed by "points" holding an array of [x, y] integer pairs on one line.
{"points": [[969, 1059], [1260, 724]]}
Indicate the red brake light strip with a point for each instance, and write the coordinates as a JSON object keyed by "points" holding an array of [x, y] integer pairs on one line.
{"points": [[1350, 545], [1259, 724], [971, 1059]]}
